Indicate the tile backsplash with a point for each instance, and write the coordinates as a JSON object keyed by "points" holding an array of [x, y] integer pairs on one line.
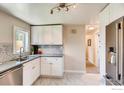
{"points": [[6, 52], [50, 49]]}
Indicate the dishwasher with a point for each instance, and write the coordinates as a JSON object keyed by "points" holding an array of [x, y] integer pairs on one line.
{"points": [[12, 76]]}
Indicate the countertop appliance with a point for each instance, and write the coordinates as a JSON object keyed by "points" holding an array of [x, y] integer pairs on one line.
{"points": [[115, 53], [12, 76]]}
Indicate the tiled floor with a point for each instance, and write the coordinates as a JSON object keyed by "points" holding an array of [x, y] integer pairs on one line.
{"points": [[71, 79]]}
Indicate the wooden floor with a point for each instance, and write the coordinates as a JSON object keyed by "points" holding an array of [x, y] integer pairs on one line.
{"points": [[91, 68], [71, 79]]}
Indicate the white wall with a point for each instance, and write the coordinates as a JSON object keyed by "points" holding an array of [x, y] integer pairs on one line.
{"points": [[96, 45], [74, 48], [109, 14], [6, 26]]}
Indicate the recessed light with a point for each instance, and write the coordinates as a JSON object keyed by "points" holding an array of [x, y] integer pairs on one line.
{"points": [[91, 27]]}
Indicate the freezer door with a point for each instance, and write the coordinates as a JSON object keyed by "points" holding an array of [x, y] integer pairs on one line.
{"points": [[120, 51], [110, 43]]}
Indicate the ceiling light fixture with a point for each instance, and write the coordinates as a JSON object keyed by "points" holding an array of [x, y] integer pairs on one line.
{"points": [[62, 6], [91, 27]]}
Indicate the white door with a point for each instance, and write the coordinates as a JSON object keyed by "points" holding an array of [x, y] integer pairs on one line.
{"points": [[57, 35]]}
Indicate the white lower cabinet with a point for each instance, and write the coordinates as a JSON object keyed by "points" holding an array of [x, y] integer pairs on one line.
{"points": [[31, 71], [57, 67], [36, 69], [27, 73], [45, 67], [52, 66]]}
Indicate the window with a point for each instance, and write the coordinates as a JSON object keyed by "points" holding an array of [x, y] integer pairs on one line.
{"points": [[20, 39]]}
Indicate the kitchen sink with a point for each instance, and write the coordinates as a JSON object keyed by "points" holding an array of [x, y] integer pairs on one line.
{"points": [[21, 59]]}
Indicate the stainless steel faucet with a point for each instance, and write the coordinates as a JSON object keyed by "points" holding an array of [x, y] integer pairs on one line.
{"points": [[21, 52]]}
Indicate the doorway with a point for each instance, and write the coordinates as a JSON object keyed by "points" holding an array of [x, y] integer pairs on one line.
{"points": [[92, 52]]}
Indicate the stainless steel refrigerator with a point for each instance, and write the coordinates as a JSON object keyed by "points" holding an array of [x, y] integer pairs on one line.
{"points": [[115, 53]]}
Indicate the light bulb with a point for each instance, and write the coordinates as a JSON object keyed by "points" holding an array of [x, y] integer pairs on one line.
{"points": [[91, 28], [74, 6]]}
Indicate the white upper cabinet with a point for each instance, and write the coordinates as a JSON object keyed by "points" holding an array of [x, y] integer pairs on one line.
{"points": [[116, 11], [35, 34], [57, 35], [46, 35]]}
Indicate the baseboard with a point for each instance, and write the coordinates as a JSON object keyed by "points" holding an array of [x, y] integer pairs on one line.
{"points": [[73, 71], [49, 76]]}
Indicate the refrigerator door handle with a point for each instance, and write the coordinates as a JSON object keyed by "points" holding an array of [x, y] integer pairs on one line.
{"points": [[119, 52]]}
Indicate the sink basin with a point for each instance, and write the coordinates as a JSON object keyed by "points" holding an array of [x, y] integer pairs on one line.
{"points": [[22, 59]]}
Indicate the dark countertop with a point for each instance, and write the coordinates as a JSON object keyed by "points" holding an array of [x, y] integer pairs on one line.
{"points": [[11, 64], [51, 55]]}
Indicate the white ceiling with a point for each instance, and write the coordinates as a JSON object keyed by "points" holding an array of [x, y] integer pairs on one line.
{"points": [[39, 13]]}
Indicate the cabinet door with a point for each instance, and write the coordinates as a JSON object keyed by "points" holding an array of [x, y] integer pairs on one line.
{"points": [[42, 36], [45, 67], [35, 34], [36, 68], [57, 67], [27, 74], [46, 35], [57, 35]]}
